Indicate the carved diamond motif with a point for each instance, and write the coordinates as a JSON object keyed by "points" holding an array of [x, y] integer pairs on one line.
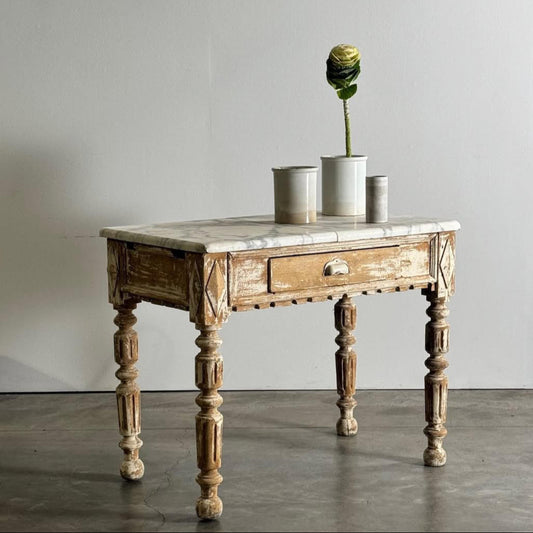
{"points": [[216, 288], [446, 264]]}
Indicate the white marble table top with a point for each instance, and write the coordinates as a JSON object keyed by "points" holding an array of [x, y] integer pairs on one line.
{"points": [[257, 232]]}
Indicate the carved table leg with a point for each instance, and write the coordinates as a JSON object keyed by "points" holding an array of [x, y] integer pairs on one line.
{"points": [[209, 372], [345, 362], [128, 393], [436, 382]]}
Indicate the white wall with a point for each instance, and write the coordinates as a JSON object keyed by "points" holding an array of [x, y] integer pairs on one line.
{"points": [[130, 112]]}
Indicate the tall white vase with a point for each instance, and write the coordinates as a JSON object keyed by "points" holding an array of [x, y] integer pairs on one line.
{"points": [[343, 185]]}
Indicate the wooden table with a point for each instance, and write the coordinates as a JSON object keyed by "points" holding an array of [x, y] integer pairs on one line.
{"points": [[213, 267]]}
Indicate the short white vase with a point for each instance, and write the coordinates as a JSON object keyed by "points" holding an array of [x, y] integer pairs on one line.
{"points": [[343, 185], [295, 194]]}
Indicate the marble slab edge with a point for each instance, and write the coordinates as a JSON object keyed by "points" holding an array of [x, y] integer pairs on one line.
{"points": [[378, 231], [363, 231], [151, 240], [220, 245]]}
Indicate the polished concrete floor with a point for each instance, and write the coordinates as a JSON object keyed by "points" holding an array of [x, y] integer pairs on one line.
{"points": [[284, 468]]}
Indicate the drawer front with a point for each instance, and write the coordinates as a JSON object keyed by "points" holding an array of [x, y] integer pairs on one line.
{"points": [[331, 269], [156, 273]]}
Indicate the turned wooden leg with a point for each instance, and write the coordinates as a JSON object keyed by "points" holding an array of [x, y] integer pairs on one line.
{"points": [[128, 393], [209, 372], [436, 382], [345, 362]]}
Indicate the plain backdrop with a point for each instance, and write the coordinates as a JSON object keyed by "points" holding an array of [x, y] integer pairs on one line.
{"points": [[132, 112]]}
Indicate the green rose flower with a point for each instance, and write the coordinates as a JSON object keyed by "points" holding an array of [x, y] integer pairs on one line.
{"points": [[343, 67]]}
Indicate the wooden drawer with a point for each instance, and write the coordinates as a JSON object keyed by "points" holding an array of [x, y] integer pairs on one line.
{"points": [[272, 276], [300, 272], [156, 273]]}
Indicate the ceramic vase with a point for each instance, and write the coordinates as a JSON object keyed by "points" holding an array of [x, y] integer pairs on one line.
{"points": [[295, 194], [343, 185], [377, 202]]}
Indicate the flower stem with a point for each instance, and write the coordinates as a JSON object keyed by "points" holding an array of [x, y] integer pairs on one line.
{"points": [[347, 128]]}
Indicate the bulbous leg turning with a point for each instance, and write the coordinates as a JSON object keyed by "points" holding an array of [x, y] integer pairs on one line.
{"points": [[346, 427], [435, 456], [132, 468], [209, 505]]}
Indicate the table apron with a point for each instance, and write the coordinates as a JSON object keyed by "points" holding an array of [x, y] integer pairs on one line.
{"points": [[268, 277]]}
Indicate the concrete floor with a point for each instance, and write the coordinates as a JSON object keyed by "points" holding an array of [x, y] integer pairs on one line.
{"points": [[284, 468]]}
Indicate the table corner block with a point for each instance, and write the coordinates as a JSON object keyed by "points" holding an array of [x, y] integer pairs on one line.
{"points": [[208, 287]]}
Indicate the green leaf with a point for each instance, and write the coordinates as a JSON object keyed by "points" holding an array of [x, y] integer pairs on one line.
{"points": [[347, 93], [342, 78]]}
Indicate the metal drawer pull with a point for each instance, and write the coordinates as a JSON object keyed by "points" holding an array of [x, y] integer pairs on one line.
{"points": [[337, 267]]}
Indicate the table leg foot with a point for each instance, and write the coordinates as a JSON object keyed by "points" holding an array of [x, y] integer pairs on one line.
{"points": [[346, 427], [346, 364], [435, 456], [132, 468], [209, 507]]}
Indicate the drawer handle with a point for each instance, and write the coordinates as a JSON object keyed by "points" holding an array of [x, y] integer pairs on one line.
{"points": [[337, 267]]}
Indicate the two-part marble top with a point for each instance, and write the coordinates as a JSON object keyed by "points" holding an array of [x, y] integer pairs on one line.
{"points": [[257, 232]]}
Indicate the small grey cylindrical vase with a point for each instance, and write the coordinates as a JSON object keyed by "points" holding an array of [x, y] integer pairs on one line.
{"points": [[295, 194], [377, 199], [343, 185]]}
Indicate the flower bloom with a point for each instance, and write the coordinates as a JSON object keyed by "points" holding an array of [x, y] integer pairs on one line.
{"points": [[343, 67], [344, 55]]}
